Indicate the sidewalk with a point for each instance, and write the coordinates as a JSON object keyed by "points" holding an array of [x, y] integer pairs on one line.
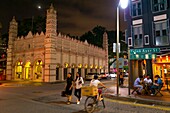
{"points": [[123, 93], [143, 99]]}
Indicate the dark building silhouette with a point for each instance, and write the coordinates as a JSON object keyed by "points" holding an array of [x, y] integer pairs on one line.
{"points": [[148, 37]]}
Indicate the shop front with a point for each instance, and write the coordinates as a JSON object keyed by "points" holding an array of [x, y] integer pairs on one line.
{"points": [[161, 67]]}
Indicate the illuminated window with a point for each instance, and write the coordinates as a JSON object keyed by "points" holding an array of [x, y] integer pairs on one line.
{"points": [[137, 34], [161, 32]]}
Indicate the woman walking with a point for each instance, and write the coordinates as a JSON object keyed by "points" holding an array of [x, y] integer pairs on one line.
{"points": [[78, 84], [69, 87]]}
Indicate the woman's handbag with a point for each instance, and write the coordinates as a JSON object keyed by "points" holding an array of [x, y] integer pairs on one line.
{"points": [[63, 93]]}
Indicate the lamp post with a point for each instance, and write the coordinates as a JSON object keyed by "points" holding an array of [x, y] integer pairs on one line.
{"points": [[123, 4]]}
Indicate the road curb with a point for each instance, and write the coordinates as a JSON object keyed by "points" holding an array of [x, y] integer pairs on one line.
{"points": [[138, 100], [27, 83]]}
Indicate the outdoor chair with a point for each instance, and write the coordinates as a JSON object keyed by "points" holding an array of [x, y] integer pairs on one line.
{"points": [[134, 89], [158, 91]]}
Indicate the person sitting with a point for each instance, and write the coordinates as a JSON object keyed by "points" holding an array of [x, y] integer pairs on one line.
{"points": [[137, 84], [156, 85], [147, 80], [95, 82], [147, 84]]}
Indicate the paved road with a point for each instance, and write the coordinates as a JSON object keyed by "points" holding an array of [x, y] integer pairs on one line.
{"points": [[47, 99]]}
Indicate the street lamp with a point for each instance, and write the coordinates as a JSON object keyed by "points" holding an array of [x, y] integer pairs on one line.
{"points": [[123, 4]]}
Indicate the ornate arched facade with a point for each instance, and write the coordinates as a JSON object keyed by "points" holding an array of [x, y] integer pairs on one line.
{"points": [[49, 57]]}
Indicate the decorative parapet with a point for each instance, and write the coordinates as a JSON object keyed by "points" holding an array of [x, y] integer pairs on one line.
{"points": [[29, 35], [42, 34], [37, 34]]}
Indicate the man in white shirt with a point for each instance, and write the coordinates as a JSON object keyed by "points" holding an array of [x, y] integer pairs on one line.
{"points": [[147, 80]]}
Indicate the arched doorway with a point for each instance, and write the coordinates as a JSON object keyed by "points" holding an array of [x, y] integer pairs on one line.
{"points": [[27, 70], [91, 68], [65, 70], [73, 70], [79, 68], [38, 70], [18, 70], [85, 70], [57, 71]]}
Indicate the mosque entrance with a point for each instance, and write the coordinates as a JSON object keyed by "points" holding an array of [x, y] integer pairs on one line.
{"points": [[38, 70], [18, 70], [28, 70]]}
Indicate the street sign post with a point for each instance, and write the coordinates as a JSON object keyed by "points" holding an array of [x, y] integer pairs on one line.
{"points": [[145, 53], [144, 50]]}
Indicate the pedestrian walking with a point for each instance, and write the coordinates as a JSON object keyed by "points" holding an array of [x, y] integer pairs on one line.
{"points": [[78, 84], [121, 79], [69, 87]]}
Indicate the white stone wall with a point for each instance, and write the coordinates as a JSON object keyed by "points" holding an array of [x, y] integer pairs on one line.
{"points": [[54, 50]]}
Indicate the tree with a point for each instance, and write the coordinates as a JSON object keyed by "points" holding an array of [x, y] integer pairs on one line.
{"points": [[98, 34], [88, 36], [95, 36]]}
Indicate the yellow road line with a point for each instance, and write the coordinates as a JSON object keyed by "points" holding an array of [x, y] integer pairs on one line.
{"points": [[141, 105]]}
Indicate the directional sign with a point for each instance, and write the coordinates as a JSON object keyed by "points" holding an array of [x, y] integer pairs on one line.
{"points": [[144, 50]]}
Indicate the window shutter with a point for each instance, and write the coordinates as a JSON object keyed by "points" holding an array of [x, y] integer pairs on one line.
{"points": [[146, 39], [126, 36], [132, 34], [153, 33], [168, 32], [130, 41]]}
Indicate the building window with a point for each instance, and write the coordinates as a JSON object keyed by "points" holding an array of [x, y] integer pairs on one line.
{"points": [[161, 33], [137, 36], [159, 5], [136, 8]]}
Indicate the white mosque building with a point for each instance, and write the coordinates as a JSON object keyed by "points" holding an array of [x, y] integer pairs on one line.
{"points": [[49, 57]]}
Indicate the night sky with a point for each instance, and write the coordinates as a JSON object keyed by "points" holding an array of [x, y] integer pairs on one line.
{"points": [[75, 17]]}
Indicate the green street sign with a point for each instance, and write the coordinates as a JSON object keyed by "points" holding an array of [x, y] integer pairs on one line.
{"points": [[142, 56], [144, 51]]}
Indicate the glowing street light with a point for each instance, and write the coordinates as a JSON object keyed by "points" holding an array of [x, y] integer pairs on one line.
{"points": [[123, 4]]}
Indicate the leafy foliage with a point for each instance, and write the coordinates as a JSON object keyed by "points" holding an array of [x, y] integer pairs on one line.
{"points": [[95, 36]]}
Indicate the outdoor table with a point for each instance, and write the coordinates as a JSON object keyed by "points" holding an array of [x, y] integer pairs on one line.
{"points": [[147, 88]]}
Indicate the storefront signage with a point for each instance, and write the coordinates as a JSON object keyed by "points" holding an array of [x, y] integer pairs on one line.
{"points": [[142, 56]]}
